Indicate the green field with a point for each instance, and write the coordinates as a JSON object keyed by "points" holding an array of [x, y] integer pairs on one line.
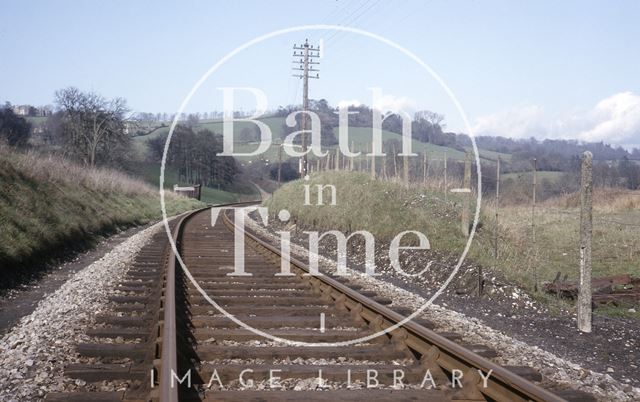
{"points": [[541, 174], [150, 172], [360, 136], [274, 123], [36, 120], [491, 155]]}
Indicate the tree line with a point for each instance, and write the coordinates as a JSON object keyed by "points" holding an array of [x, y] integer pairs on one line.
{"points": [[14, 129], [426, 126], [95, 130], [195, 156], [86, 127]]}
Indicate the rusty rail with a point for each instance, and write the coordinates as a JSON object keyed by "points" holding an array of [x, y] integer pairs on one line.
{"points": [[167, 342], [435, 350], [168, 339]]}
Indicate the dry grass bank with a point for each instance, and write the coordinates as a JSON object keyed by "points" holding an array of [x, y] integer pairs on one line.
{"points": [[49, 205], [386, 208], [616, 244], [383, 208]]}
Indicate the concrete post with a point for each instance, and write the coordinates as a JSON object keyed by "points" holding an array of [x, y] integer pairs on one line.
{"points": [[586, 226], [466, 204]]}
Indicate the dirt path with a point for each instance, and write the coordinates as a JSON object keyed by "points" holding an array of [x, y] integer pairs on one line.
{"points": [[22, 301]]}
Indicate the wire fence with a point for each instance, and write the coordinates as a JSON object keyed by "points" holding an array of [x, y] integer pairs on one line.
{"points": [[508, 243]]}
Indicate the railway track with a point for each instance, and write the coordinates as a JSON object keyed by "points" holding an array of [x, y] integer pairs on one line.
{"points": [[164, 340]]}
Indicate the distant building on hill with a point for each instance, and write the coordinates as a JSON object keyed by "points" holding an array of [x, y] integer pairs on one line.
{"points": [[21, 110], [28, 110]]}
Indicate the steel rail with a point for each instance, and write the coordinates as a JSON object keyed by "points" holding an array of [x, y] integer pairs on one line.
{"points": [[503, 385], [168, 339]]}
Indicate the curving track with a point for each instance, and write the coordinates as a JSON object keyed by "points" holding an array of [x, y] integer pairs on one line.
{"points": [[174, 331]]}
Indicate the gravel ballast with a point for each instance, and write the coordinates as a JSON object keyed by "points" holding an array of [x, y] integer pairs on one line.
{"points": [[41, 344], [475, 330]]}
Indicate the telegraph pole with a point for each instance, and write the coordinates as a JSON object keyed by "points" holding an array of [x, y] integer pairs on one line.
{"points": [[305, 63]]}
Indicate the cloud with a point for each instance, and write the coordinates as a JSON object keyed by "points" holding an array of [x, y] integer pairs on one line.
{"points": [[519, 122], [614, 120], [617, 119], [390, 103], [385, 103]]}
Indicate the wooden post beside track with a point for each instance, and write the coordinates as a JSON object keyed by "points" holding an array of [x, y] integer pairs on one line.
{"points": [[279, 164], [533, 226], [586, 227], [445, 176], [466, 203], [405, 170], [424, 168], [495, 245]]}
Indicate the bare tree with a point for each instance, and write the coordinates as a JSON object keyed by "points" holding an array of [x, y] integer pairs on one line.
{"points": [[192, 120], [427, 126], [435, 119], [93, 127]]}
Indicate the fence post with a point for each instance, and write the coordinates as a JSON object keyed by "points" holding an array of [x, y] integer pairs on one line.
{"points": [[445, 176], [405, 170], [424, 168], [373, 162], [464, 221], [352, 149], [533, 227], [586, 226], [395, 163], [495, 245], [279, 164], [384, 167]]}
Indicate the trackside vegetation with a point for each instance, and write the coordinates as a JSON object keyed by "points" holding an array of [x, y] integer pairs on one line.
{"points": [[381, 207], [49, 206], [386, 208]]}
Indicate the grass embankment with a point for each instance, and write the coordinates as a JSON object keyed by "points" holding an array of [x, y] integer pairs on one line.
{"points": [[50, 206], [383, 208], [387, 208]]}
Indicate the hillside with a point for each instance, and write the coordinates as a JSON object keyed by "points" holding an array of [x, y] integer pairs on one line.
{"points": [[360, 136], [50, 206]]}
